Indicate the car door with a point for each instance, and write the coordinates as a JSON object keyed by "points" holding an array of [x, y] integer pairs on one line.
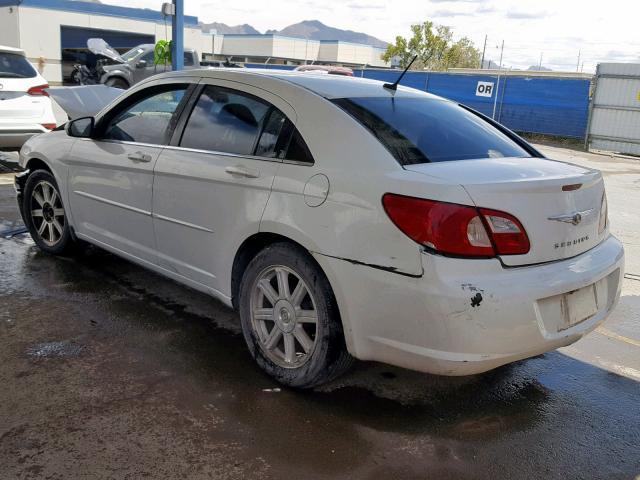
{"points": [[111, 175], [145, 67], [212, 184]]}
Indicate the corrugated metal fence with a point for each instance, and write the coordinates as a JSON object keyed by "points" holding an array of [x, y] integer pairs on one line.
{"points": [[547, 105], [615, 111]]}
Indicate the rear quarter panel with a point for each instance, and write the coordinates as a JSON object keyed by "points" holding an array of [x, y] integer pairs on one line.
{"points": [[351, 224]]}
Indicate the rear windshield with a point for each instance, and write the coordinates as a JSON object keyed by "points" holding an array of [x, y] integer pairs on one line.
{"points": [[15, 66], [421, 130]]}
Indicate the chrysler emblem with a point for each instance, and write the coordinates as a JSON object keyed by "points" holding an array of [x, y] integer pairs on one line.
{"points": [[574, 218]]}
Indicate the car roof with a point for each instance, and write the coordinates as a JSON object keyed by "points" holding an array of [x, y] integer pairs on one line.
{"points": [[328, 86], [5, 48]]}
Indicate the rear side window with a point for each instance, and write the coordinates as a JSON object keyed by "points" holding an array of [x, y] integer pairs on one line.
{"points": [[298, 150], [15, 66], [270, 143], [421, 130], [225, 120]]}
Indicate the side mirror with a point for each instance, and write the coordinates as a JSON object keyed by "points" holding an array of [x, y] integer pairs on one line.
{"points": [[81, 127], [141, 64]]}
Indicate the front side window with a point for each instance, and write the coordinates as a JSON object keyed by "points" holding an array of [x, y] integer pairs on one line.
{"points": [[422, 129], [148, 119], [15, 66], [225, 120]]}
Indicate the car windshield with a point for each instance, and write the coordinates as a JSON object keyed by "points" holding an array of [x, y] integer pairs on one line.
{"points": [[13, 65], [131, 54], [423, 129]]}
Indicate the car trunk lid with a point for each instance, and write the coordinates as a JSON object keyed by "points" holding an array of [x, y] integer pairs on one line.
{"points": [[84, 101], [557, 203]]}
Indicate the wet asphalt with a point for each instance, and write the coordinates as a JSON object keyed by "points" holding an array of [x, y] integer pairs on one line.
{"points": [[110, 371]]}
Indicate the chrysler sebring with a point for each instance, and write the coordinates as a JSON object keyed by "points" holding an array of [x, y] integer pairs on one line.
{"points": [[341, 217]]}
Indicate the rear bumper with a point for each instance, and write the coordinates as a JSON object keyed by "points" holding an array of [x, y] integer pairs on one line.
{"points": [[15, 137], [469, 316]]}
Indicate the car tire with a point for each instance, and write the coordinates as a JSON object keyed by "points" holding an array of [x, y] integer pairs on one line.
{"points": [[117, 83], [44, 214], [294, 333]]}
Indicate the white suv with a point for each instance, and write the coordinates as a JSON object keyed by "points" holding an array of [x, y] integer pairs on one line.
{"points": [[25, 107]]}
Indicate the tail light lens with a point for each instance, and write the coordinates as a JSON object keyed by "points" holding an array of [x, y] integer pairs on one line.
{"points": [[455, 229], [38, 91], [604, 214], [49, 126]]}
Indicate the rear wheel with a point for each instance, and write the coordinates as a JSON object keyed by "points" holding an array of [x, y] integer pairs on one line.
{"points": [[290, 319], [44, 214]]}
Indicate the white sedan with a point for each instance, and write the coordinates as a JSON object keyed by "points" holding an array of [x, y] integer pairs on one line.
{"points": [[341, 217], [25, 109]]}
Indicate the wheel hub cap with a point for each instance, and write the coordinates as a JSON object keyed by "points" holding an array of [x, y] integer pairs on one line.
{"points": [[47, 212], [286, 316]]}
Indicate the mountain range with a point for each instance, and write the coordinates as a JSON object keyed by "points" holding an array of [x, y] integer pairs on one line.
{"points": [[311, 29]]}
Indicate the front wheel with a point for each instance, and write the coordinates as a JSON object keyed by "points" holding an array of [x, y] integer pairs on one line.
{"points": [[117, 83], [44, 214], [290, 318]]}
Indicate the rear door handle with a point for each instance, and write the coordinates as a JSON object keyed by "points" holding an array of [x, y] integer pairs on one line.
{"points": [[139, 157], [243, 172]]}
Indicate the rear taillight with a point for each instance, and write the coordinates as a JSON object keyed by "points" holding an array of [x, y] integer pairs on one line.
{"points": [[508, 234], [455, 229], [49, 126], [604, 214], [38, 91]]}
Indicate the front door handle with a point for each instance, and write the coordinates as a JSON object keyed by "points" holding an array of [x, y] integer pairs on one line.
{"points": [[243, 171], [139, 157]]}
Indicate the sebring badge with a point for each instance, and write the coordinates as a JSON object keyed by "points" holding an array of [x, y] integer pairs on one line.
{"points": [[574, 218]]}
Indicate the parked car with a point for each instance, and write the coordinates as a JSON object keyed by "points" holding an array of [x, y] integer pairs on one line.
{"points": [[325, 69], [340, 217], [25, 108], [122, 71]]}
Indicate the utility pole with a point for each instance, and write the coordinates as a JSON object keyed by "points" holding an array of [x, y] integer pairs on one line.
{"points": [[578, 64], [483, 50], [495, 99]]}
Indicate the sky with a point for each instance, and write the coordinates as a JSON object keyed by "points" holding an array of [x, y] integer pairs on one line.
{"points": [[557, 30]]}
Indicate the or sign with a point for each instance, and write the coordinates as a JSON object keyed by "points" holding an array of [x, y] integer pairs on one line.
{"points": [[484, 89]]}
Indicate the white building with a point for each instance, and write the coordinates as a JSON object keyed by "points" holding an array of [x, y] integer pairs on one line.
{"points": [[278, 49], [53, 33]]}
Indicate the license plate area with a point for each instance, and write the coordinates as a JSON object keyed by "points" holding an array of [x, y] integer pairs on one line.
{"points": [[579, 305]]}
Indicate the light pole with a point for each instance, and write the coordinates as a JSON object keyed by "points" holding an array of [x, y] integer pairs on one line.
{"points": [[177, 33]]}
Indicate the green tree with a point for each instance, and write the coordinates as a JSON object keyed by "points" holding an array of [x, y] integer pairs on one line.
{"points": [[435, 48]]}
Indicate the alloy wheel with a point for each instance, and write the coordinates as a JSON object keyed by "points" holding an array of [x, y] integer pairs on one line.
{"points": [[47, 213], [284, 316]]}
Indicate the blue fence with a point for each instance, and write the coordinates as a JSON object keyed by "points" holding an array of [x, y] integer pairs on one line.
{"points": [[548, 105]]}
